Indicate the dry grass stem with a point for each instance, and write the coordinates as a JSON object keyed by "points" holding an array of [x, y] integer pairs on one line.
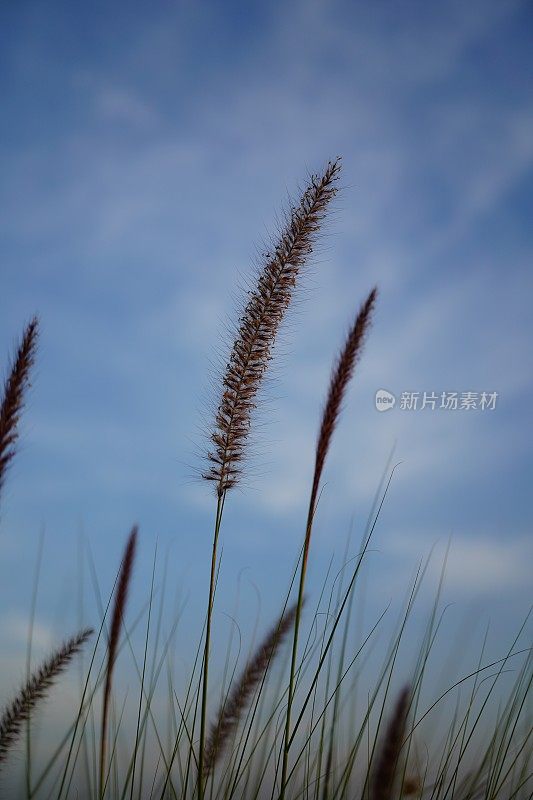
{"points": [[231, 711], [259, 325], [13, 397], [35, 689], [114, 636], [383, 782]]}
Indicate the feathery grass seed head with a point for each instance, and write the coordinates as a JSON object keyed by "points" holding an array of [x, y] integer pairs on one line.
{"points": [[35, 689], [119, 608], [13, 397], [340, 378], [259, 325], [231, 711]]}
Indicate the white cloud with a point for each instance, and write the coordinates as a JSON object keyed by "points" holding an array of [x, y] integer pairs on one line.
{"points": [[14, 632], [477, 563]]}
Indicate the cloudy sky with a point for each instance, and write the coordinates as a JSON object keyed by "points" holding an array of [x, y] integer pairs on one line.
{"points": [[146, 150]]}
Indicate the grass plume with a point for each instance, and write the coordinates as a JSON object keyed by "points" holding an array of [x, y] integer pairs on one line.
{"points": [[340, 378], [35, 690], [13, 396], [259, 325], [231, 711], [119, 608]]}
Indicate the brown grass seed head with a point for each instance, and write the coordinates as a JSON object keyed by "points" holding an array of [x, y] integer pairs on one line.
{"points": [[258, 328], [13, 396]]}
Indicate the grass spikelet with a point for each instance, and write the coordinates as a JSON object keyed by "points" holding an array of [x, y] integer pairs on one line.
{"points": [[383, 782], [114, 636], [34, 690], [13, 397], [258, 327], [231, 711]]}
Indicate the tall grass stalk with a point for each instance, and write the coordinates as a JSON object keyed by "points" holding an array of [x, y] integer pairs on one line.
{"points": [[341, 376], [249, 359]]}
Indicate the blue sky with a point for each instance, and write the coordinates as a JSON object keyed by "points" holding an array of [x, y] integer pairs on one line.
{"points": [[145, 150]]}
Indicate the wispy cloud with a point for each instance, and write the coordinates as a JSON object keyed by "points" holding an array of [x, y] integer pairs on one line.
{"points": [[135, 193], [476, 563], [14, 632]]}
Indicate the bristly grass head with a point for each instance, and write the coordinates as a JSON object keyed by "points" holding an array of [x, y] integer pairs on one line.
{"points": [[119, 608], [259, 325], [340, 378], [235, 704], [34, 690], [13, 397], [383, 783]]}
